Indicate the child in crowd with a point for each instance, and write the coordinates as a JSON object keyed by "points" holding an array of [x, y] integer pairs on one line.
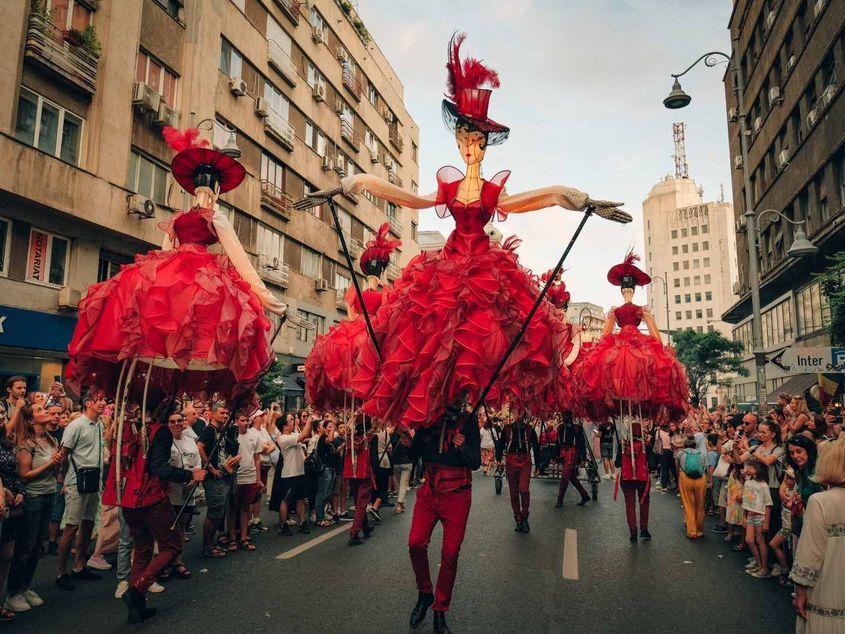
{"points": [[757, 504], [786, 491], [733, 508], [712, 461]]}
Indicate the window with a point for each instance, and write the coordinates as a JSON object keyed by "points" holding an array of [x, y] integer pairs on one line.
{"points": [[699, 314], [269, 244], [315, 18], [699, 328], [47, 260], [707, 279], [309, 335], [698, 297], [696, 263], [279, 104], [674, 234], [147, 178], [49, 127], [5, 231], [172, 7], [704, 228], [109, 264], [413, 231], [693, 231], [675, 266], [675, 250], [372, 95], [684, 248], [415, 152], [706, 262], [696, 280], [684, 232], [69, 14], [677, 299], [689, 314], [711, 329], [314, 76], [315, 139], [686, 281], [812, 309], [391, 210], [678, 315], [686, 265], [708, 296], [709, 313], [676, 282], [705, 245], [272, 171], [231, 62], [310, 266], [687, 298], [370, 140], [150, 71], [695, 247]]}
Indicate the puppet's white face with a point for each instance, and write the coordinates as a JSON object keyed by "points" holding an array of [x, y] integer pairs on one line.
{"points": [[628, 295], [471, 144], [206, 197]]}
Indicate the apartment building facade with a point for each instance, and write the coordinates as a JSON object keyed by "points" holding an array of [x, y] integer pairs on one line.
{"points": [[301, 89], [792, 55]]}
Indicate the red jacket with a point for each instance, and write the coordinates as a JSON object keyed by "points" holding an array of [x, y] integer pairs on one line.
{"points": [[140, 488]]}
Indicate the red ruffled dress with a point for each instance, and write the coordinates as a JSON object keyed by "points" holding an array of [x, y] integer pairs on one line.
{"points": [[630, 366], [446, 322], [183, 309], [332, 361]]}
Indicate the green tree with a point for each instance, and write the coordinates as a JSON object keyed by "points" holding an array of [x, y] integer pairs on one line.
{"points": [[272, 386], [708, 356], [832, 283]]}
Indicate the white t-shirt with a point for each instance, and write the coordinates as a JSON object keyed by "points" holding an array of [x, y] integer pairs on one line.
{"points": [[721, 470], [249, 444], [184, 455], [487, 438], [756, 496], [266, 438], [293, 455]]}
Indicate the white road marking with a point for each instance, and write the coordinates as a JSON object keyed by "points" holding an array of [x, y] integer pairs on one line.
{"points": [[298, 550], [570, 554]]}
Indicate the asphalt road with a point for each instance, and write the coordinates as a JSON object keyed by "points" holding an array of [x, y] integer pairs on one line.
{"points": [[507, 581]]}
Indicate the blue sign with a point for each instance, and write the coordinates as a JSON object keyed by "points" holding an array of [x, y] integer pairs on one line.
{"points": [[32, 329]]}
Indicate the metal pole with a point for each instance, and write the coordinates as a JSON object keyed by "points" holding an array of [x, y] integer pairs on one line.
{"points": [[668, 328], [351, 266], [751, 239]]}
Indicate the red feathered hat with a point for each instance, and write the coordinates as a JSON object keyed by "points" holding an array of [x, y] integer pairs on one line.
{"points": [[467, 101], [195, 164], [627, 274], [376, 255]]}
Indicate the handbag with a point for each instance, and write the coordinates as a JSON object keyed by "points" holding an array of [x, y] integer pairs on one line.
{"points": [[88, 478]]}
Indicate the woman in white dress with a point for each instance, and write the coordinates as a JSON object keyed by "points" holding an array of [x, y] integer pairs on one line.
{"points": [[819, 568]]}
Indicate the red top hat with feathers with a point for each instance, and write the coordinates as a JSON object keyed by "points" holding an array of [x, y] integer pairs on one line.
{"points": [[467, 99], [376, 255], [627, 274], [195, 164], [558, 295]]}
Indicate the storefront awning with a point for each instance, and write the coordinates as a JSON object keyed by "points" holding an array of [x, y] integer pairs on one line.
{"points": [[290, 386], [796, 385]]}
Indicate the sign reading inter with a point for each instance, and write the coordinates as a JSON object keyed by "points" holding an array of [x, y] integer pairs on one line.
{"points": [[809, 360]]}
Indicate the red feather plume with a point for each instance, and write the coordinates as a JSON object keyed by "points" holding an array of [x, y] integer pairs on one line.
{"points": [[469, 74], [180, 140], [631, 258], [511, 243], [380, 247]]}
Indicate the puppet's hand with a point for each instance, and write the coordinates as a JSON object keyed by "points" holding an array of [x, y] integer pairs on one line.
{"points": [[609, 210]]}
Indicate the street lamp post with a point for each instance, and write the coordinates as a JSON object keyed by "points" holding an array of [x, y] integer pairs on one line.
{"points": [[665, 280], [801, 246]]}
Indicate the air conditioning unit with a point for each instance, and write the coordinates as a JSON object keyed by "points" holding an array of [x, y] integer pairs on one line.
{"points": [[319, 92], [69, 298], [739, 225], [144, 97], [342, 54], [738, 162], [737, 288], [387, 114], [774, 95], [732, 114], [783, 158], [140, 206], [770, 19], [166, 116], [237, 86], [262, 107], [270, 264], [817, 9], [321, 285], [318, 35], [374, 157], [827, 95], [812, 116], [758, 123], [327, 164], [340, 169], [338, 106], [790, 63]]}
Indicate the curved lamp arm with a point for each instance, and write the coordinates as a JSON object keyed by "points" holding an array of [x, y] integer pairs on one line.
{"points": [[709, 60], [779, 215]]}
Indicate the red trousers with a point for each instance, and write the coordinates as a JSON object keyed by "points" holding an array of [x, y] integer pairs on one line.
{"points": [[361, 489], [148, 525], [569, 473], [438, 501], [518, 470], [633, 491]]}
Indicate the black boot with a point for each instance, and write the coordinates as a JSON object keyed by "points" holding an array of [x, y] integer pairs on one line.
{"points": [[645, 534], [146, 612], [584, 500], [525, 526], [421, 609], [634, 537], [440, 625], [355, 540], [137, 604], [518, 527], [559, 503], [368, 529]]}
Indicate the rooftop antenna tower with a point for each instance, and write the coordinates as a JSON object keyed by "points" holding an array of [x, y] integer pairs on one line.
{"points": [[681, 168]]}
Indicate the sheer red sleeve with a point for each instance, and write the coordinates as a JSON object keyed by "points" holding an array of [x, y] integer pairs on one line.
{"points": [[448, 179], [495, 187]]}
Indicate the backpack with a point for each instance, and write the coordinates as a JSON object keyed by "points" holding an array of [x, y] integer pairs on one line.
{"points": [[693, 464]]}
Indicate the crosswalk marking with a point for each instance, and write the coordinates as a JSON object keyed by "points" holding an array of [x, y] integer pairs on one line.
{"points": [[570, 554], [298, 550]]}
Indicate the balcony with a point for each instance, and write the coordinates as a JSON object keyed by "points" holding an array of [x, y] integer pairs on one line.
{"points": [[393, 272], [46, 45], [290, 8], [351, 83], [275, 272], [393, 177], [276, 199], [395, 137], [340, 302], [395, 225], [347, 132], [278, 58], [278, 127], [354, 245]]}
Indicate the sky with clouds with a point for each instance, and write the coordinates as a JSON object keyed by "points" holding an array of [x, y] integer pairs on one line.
{"points": [[582, 89]]}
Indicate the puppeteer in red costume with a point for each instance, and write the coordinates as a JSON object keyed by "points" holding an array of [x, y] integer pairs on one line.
{"points": [[517, 442], [634, 480], [332, 360], [358, 471]]}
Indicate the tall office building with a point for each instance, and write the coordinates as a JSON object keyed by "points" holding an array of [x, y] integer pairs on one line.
{"points": [[89, 85], [792, 56]]}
